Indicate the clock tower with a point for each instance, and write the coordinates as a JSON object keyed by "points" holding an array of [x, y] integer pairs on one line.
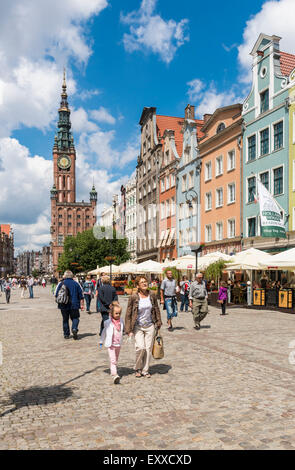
{"points": [[68, 217]]}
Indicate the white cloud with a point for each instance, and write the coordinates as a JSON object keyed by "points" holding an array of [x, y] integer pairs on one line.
{"points": [[275, 17], [102, 115], [80, 121], [101, 146], [36, 40], [25, 183], [195, 86], [207, 98], [150, 32]]}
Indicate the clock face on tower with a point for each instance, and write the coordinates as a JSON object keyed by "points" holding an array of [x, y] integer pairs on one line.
{"points": [[64, 162]]}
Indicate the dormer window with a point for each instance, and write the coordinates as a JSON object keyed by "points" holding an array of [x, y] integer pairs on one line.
{"points": [[220, 127]]}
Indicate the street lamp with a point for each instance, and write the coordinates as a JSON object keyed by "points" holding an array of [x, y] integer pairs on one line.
{"points": [[190, 195]]}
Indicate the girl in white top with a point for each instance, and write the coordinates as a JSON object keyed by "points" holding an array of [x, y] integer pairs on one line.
{"points": [[112, 336]]}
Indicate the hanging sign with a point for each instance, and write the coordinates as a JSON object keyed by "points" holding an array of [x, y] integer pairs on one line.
{"points": [[272, 222]]}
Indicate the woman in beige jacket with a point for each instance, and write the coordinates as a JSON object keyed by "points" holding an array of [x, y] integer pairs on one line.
{"points": [[142, 318]]}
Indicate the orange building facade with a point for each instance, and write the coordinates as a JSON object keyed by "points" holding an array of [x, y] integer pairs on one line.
{"points": [[221, 181], [171, 152]]}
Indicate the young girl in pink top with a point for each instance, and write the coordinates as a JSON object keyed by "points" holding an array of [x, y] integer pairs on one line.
{"points": [[112, 336]]}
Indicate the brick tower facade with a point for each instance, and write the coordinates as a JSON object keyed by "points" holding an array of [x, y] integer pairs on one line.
{"points": [[68, 217]]}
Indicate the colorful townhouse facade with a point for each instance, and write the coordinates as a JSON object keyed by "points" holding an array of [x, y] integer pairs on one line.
{"points": [[221, 181], [292, 151], [171, 148], [188, 193], [266, 139]]}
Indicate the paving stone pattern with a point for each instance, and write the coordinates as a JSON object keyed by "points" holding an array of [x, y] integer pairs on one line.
{"points": [[228, 386]]}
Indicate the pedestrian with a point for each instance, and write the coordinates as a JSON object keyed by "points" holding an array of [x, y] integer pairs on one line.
{"points": [[7, 290], [222, 297], [54, 282], [168, 298], [88, 292], [23, 286], [30, 286], [43, 283], [70, 305], [184, 293], [142, 318], [198, 298], [98, 285], [112, 336], [106, 295]]}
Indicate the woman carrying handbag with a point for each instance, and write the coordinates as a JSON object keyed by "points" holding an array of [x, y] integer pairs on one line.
{"points": [[142, 318]]}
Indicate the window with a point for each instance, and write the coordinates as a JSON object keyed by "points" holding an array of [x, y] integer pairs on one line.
{"points": [[231, 228], [208, 233], [79, 224], [219, 166], [144, 169], [252, 227], [167, 208], [264, 142], [154, 183], [278, 181], [231, 193], [162, 185], [208, 201], [173, 206], [184, 183], [167, 182], [231, 160], [59, 224], [60, 216], [219, 197], [251, 188], [252, 148], [180, 238], [264, 178], [172, 180], [69, 224], [60, 240], [149, 164], [144, 191], [264, 101], [191, 179], [149, 188], [220, 127], [278, 135], [219, 231], [162, 210], [208, 171], [181, 211]]}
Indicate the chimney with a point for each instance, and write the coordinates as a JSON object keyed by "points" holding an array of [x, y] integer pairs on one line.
{"points": [[189, 112], [206, 117]]}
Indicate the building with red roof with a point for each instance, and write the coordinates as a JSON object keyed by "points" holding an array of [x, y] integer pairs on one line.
{"points": [[6, 250]]}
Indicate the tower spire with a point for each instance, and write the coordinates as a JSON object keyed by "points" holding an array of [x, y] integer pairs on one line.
{"points": [[64, 137]]}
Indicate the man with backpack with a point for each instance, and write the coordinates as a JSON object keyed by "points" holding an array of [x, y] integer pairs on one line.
{"points": [[69, 297]]}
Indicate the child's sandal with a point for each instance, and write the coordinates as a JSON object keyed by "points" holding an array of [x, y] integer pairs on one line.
{"points": [[138, 373]]}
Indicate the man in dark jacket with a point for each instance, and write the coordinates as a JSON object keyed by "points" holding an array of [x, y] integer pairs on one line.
{"points": [[106, 294], [71, 309]]}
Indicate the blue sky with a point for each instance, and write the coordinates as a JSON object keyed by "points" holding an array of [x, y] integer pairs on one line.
{"points": [[120, 56]]}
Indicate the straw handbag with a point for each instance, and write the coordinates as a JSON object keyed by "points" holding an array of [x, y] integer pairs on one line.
{"points": [[158, 347]]}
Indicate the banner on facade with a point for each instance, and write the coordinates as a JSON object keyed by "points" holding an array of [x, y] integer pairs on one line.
{"points": [[272, 222]]}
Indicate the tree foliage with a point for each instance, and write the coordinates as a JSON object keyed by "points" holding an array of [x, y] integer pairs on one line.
{"points": [[85, 252], [214, 271], [176, 274]]}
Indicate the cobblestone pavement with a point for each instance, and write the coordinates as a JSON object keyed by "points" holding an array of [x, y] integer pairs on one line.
{"points": [[228, 386]]}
